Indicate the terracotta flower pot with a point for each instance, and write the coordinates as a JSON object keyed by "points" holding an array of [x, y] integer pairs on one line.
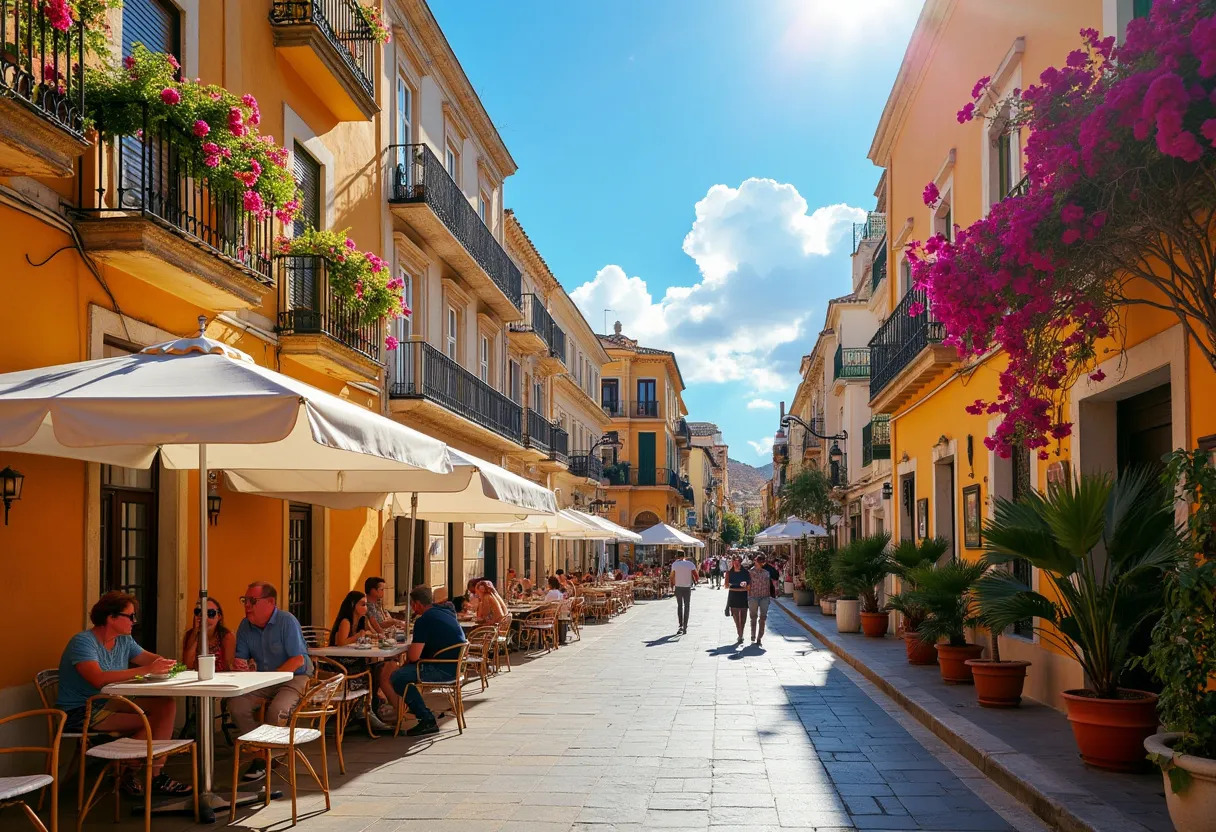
{"points": [[1191, 810], [998, 684], [952, 662], [919, 651], [874, 624], [1110, 733], [827, 606], [848, 615]]}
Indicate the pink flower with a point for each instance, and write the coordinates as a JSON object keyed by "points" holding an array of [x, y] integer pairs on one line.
{"points": [[249, 101], [215, 95], [173, 62], [211, 147], [253, 202], [931, 194], [1070, 236], [1097, 375], [59, 14], [201, 128], [350, 244], [967, 113], [129, 62], [391, 342], [978, 89], [170, 96]]}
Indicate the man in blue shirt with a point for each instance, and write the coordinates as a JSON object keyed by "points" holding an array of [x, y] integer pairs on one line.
{"points": [[435, 630], [268, 639]]}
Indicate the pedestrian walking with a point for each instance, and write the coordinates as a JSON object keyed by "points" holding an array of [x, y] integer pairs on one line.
{"points": [[683, 576], [715, 572], [761, 586], [736, 594]]}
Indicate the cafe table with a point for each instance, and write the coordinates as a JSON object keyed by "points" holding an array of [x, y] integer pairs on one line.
{"points": [[351, 652], [221, 686]]}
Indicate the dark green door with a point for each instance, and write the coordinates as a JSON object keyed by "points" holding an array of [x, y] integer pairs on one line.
{"points": [[646, 459]]}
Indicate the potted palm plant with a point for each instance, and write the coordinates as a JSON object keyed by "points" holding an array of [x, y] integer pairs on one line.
{"points": [[1103, 546], [1182, 658], [906, 556], [945, 593], [848, 606], [859, 568], [998, 683], [818, 577]]}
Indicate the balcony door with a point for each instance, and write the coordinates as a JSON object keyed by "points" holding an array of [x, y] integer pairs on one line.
{"points": [[305, 280], [405, 135], [646, 450], [299, 563], [128, 541], [647, 403], [157, 25], [610, 395]]}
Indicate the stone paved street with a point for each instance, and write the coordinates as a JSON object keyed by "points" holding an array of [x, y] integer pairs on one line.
{"points": [[635, 728]]}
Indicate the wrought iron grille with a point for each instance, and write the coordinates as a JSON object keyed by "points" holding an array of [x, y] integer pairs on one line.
{"points": [[41, 65], [160, 176], [343, 26], [852, 362], [540, 432], [589, 466], [423, 372], [901, 338], [308, 305], [560, 450], [878, 269], [876, 439], [418, 176], [874, 226], [840, 471], [644, 409]]}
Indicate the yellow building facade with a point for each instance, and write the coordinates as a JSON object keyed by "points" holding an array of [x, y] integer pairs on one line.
{"points": [[1148, 403]]}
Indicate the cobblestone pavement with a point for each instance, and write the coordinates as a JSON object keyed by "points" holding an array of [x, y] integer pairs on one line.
{"points": [[636, 728]]}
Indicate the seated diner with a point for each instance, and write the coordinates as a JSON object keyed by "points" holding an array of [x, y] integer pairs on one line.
{"points": [[221, 642], [435, 630], [491, 608]]}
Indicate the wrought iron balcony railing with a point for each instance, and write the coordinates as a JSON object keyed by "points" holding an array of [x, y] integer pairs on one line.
{"points": [[343, 26], [644, 409], [540, 432], [538, 320], [157, 175], [417, 175], [852, 362], [587, 465], [613, 407], [422, 372], [878, 269], [873, 228], [876, 439], [1021, 188], [839, 471], [901, 338], [809, 440], [557, 342], [659, 477], [309, 306], [560, 450], [41, 65]]}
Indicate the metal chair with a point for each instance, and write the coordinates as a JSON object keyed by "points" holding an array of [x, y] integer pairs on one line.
{"points": [[122, 753], [481, 646], [316, 636], [358, 686], [453, 689], [541, 624], [315, 704], [47, 683], [14, 789]]}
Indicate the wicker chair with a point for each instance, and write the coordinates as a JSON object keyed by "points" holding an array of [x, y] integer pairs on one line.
{"points": [[481, 649], [541, 625], [453, 690], [316, 636], [13, 789], [121, 754], [47, 683], [577, 611], [315, 705], [502, 643], [357, 687]]}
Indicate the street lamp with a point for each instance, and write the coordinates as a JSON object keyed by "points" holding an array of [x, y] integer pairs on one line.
{"points": [[835, 439], [11, 483]]}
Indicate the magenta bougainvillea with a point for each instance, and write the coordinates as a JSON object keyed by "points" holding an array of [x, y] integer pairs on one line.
{"points": [[1117, 209]]}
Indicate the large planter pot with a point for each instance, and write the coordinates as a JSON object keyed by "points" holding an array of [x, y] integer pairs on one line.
{"points": [[998, 684], [952, 662], [1110, 733], [803, 597], [1191, 810], [919, 651], [874, 624], [827, 606], [848, 616]]}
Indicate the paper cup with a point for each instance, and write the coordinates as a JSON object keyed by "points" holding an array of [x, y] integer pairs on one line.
{"points": [[206, 668]]}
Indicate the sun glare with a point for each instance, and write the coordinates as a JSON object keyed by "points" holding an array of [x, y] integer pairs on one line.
{"points": [[809, 27]]}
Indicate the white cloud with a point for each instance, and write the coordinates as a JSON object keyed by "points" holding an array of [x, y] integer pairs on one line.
{"points": [[764, 447], [761, 404], [767, 268]]}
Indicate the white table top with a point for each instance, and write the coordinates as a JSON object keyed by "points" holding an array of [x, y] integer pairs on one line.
{"points": [[187, 683], [356, 653]]}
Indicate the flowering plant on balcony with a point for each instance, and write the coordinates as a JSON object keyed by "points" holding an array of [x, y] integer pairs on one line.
{"points": [[360, 278], [64, 15], [144, 93], [372, 18], [1118, 209]]}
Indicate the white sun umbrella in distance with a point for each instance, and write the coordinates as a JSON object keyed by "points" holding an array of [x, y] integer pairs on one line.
{"points": [[664, 535], [790, 530], [200, 403], [562, 525], [622, 534]]}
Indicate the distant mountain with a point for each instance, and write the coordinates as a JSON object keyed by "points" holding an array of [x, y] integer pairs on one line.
{"points": [[747, 480]]}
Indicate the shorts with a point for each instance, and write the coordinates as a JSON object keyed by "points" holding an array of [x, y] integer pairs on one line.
{"points": [[74, 724], [760, 605]]}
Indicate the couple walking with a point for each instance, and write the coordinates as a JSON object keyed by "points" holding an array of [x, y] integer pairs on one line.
{"points": [[750, 591]]}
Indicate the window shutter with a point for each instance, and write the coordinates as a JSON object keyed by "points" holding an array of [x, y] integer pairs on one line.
{"points": [[304, 277]]}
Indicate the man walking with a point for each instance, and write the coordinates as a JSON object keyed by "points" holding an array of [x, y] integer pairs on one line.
{"points": [[683, 576], [715, 572], [759, 595]]}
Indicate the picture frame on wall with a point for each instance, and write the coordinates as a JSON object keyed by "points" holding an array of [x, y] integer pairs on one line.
{"points": [[972, 507], [922, 518]]}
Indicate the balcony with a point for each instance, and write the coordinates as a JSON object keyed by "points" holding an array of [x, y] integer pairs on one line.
{"points": [[876, 440], [851, 362], [432, 387], [643, 409], [625, 475], [906, 354], [41, 93], [587, 466], [424, 196], [878, 270], [539, 434], [872, 229], [811, 444], [683, 433], [615, 408], [153, 216], [560, 452], [839, 471], [316, 327], [333, 50]]}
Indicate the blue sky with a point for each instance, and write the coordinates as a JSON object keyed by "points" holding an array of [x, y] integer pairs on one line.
{"points": [[693, 165]]}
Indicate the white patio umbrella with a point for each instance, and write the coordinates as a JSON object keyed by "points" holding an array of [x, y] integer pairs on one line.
{"points": [[200, 403], [621, 534], [790, 530], [564, 525], [664, 535]]}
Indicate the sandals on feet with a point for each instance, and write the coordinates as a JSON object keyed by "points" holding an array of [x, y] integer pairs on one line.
{"points": [[164, 784]]}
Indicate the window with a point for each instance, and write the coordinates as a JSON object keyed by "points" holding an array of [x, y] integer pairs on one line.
{"points": [[538, 396], [406, 324], [943, 221], [514, 381], [484, 360], [452, 163], [1141, 8], [305, 288], [453, 334], [610, 394], [483, 208], [405, 131]]}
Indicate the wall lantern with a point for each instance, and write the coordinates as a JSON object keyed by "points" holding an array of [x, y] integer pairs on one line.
{"points": [[836, 453], [886, 490], [11, 483], [214, 500]]}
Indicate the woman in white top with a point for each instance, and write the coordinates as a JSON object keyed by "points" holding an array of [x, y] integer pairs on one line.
{"points": [[556, 595], [555, 590]]}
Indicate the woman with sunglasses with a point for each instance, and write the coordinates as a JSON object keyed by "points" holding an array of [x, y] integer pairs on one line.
{"points": [[221, 642]]}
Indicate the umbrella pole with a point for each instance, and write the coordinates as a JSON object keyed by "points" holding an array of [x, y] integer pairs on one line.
{"points": [[206, 739], [409, 558]]}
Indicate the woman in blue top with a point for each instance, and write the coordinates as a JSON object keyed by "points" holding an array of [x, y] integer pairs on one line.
{"points": [[736, 594], [102, 655]]}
